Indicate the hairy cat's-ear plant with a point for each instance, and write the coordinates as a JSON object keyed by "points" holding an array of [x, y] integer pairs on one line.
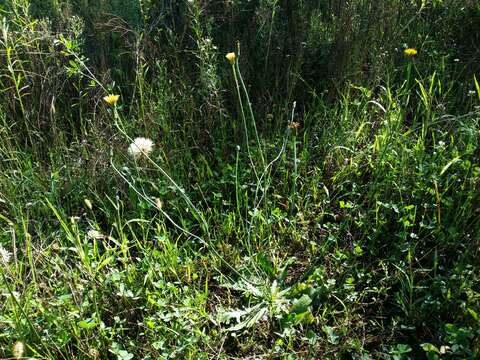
{"points": [[233, 60], [262, 176], [147, 147], [410, 76]]}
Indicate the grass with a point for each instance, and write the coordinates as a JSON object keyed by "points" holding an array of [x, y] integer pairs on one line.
{"points": [[316, 197]]}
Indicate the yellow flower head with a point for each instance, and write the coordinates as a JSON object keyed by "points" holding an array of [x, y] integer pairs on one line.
{"points": [[231, 56], [111, 99], [410, 52]]}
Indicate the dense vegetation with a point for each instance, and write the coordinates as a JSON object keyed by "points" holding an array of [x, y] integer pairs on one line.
{"points": [[315, 195]]}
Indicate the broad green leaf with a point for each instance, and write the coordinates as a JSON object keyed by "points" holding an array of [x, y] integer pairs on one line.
{"points": [[301, 305]]}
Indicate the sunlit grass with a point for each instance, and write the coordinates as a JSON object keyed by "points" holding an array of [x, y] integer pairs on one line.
{"points": [[314, 194]]}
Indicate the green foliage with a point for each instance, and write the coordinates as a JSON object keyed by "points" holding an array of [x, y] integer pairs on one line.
{"points": [[316, 197]]}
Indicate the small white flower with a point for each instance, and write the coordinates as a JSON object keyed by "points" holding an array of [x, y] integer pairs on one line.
{"points": [[4, 255], [140, 146]]}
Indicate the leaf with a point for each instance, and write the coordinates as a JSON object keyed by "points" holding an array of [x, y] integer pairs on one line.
{"points": [[104, 263], [285, 267], [473, 313], [427, 347], [305, 318], [331, 336], [124, 355], [360, 129], [121, 354], [403, 349], [254, 314], [301, 305], [265, 264], [226, 316], [87, 324]]}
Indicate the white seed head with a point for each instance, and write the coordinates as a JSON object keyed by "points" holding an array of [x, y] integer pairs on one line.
{"points": [[140, 146]]}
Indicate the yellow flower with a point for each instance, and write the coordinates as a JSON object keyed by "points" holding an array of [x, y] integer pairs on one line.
{"points": [[410, 52], [231, 56], [111, 99]]}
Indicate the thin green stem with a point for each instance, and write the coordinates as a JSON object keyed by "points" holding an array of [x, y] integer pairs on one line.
{"points": [[249, 106], [242, 111]]}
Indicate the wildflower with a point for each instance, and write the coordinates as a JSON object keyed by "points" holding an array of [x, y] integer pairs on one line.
{"points": [[18, 350], [94, 234], [231, 56], [294, 125], [4, 255], [410, 52], [111, 99], [140, 146]]}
